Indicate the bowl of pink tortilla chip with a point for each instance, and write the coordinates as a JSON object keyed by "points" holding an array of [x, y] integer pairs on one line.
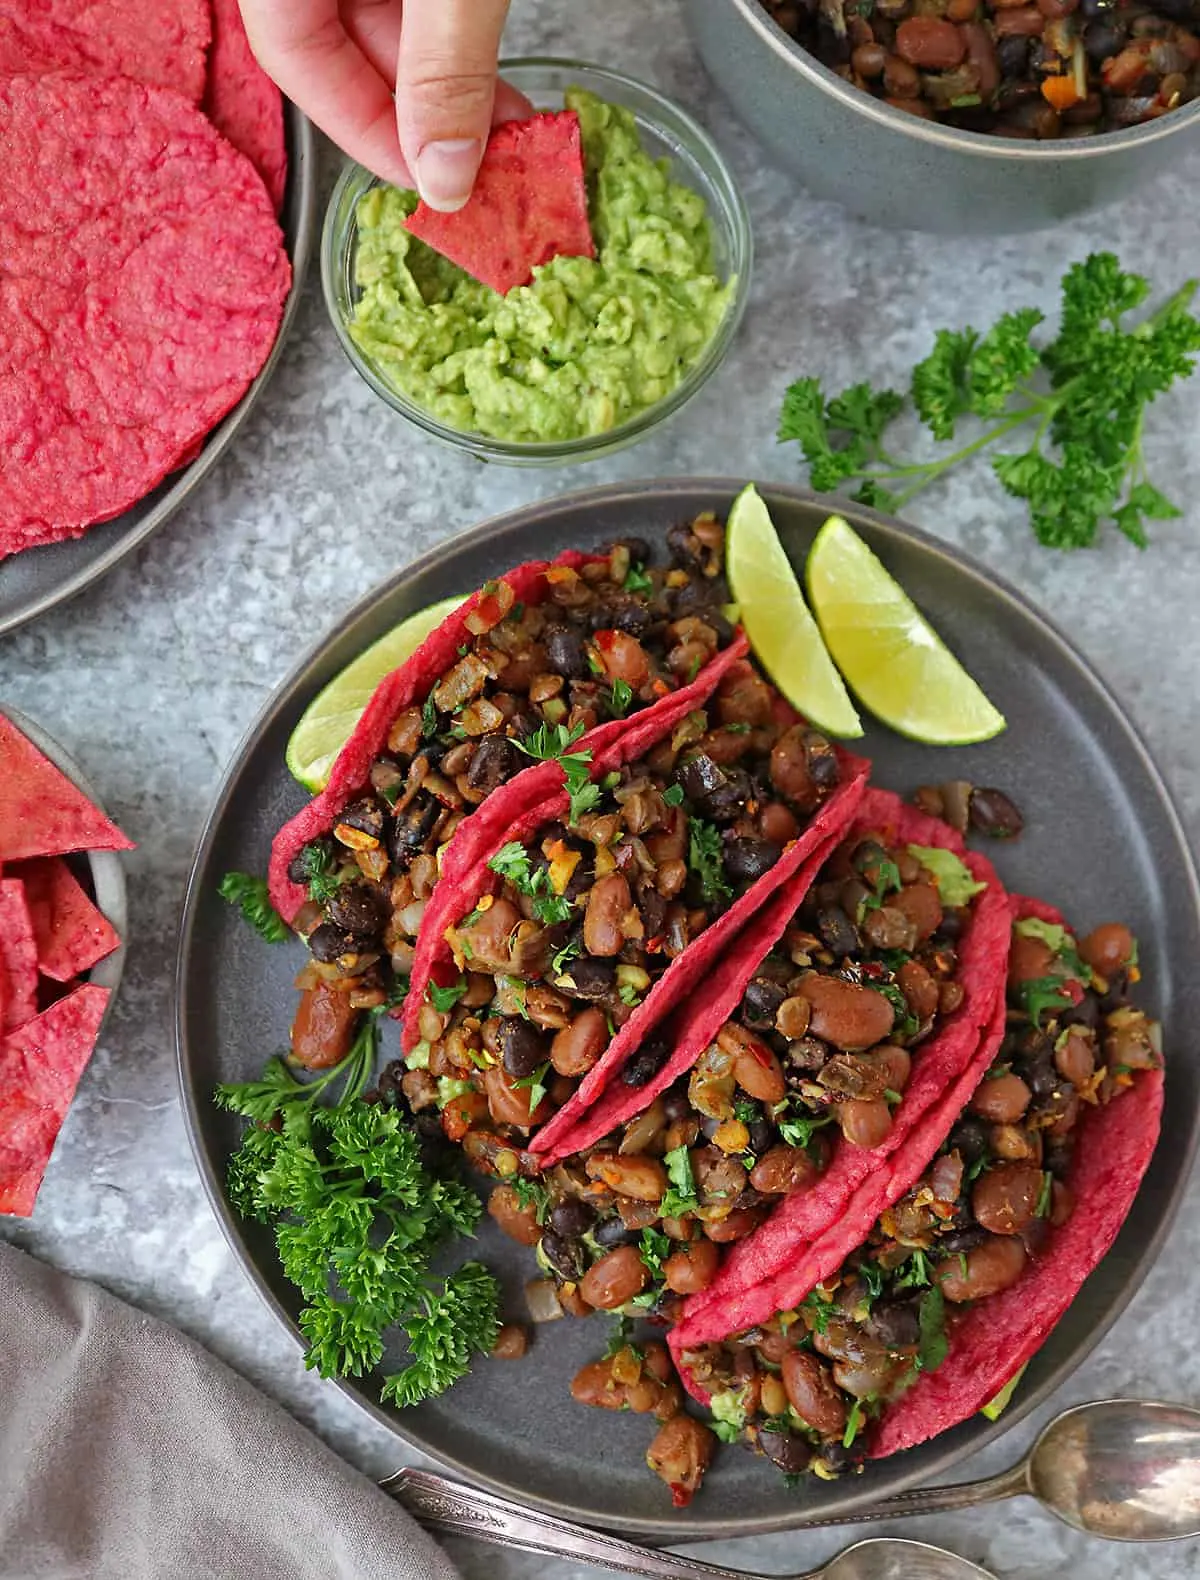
{"points": [[62, 946]]}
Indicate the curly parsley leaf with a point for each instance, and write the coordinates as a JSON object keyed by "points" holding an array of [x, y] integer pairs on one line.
{"points": [[619, 698], [322, 873], [250, 896], [681, 1197], [705, 858], [940, 384], [444, 999]]}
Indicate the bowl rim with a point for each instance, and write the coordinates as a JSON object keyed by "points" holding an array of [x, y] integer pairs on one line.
{"points": [[1068, 150], [731, 212]]}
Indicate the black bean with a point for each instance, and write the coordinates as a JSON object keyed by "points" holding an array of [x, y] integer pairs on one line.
{"points": [[970, 1136], [366, 815], [748, 859], [563, 1255], [805, 1056], [328, 943], [760, 1003], [784, 1449], [993, 814], [646, 1062], [838, 932], [823, 767], [1091, 9], [590, 978], [762, 1136], [412, 828], [611, 1233], [950, 927], [624, 613], [1012, 55], [565, 652], [639, 550], [894, 1323], [299, 866], [359, 908], [522, 1047], [1040, 1077], [583, 876], [686, 548], [703, 595], [1117, 996], [571, 1218], [1085, 1013], [1186, 11], [728, 800], [429, 1124], [838, 1457], [676, 1105], [698, 777], [494, 760], [961, 1241]]}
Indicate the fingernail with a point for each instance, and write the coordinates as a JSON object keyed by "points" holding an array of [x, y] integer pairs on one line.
{"points": [[446, 172]]}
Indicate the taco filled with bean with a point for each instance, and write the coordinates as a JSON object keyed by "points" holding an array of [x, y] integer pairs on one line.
{"points": [[1004, 1199]]}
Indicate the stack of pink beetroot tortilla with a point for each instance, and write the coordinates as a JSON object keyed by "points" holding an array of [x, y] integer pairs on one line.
{"points": [[142, 301], [51, 935]]}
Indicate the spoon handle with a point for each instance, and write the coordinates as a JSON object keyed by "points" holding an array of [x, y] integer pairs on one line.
{"points": [[453, 1509], [930, 1500]]}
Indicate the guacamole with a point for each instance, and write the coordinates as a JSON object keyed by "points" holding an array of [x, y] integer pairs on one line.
{"points": [[588, 344]]}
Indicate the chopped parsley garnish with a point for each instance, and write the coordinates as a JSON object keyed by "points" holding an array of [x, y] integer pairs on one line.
{"points": [[931, 1314], [916, 1272], [822, 1310], [535, 1084], [872, 1276], [618, 1339], [798, 1131], [628, 994], [854, 1422], [906, 1023], [705, 860], [745, 1111], [673, 795], [550, 909], [1045, 1195], [655, 1247], [1043, 996], [429, 716], [250, 896], [681, 1197], [636, 580], [552, 742], [980, 1163], [532, 1193], [444, 999], [319, 863], [515, 989], [620, 698], [511, 862], [568, 952], [1079, 401]]}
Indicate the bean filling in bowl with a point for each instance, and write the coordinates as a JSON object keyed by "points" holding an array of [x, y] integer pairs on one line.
{"points": [[1057, 68]]}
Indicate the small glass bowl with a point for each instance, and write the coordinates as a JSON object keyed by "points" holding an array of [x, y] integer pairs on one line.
{"points": [[665, 131]]}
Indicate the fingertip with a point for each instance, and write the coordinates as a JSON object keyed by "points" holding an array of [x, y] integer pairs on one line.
{"points": [[445, 172]]}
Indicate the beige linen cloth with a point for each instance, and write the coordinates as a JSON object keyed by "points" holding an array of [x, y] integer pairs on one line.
{"points": [[127, 1452]]}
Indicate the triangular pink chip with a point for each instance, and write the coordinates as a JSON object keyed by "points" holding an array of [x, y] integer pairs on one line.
{"points": [[41, 811], [71, 933], [40, 1066], [529, 205], [18, 957]]}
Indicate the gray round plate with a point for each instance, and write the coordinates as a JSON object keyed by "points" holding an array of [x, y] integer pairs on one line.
{"points": [[1102, 841], [105, 868], [36, 580]]}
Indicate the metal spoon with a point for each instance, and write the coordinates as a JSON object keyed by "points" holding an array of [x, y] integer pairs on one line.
{"points": [[457, 1510], [1125, 1469]]}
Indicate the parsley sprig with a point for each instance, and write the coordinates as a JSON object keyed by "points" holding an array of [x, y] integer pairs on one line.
{"points": [[250, 896], [553, 742], [706, 859], [357, 1219], [511, 862], [1084, 396]]}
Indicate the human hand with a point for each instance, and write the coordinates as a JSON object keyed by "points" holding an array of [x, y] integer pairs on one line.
{"points": [[406, 87]]}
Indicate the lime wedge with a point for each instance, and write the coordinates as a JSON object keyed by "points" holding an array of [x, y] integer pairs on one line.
{"points": [[329, 719], [783, 633], [894, 661], [996, 1407]]}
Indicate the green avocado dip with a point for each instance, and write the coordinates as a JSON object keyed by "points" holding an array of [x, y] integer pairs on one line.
{"points": [[588, 344]]}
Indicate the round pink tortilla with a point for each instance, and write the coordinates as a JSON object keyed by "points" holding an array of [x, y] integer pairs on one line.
{"points": [[163, 45], [243, 103], [143, 283]]}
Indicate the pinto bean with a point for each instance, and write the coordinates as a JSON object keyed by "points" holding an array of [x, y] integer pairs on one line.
{"points": [[643, 1178], [511, 1342], [901, 80], [577, 1047], [865, 1122], [812, 1394], [1028, 959], [755, 1068], [615, 1279], [680, 1453], [920, 989], [845, 1014], [518, 1221], [930, 42], [624, 657], [488, 936], [1075, 1057], [922, 904], [692, 1268], [323, 1028], [1003, 1100], [607, 903], [735, 1225], [790, 770], [1107, 948], [1014, 1143], [993, 1266], [781, 1170], [1021, 21], [509, 1104], [1005, 1198]]}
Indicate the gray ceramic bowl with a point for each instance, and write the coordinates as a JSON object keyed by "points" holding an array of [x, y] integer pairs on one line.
{"points": [[904, 173]]}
